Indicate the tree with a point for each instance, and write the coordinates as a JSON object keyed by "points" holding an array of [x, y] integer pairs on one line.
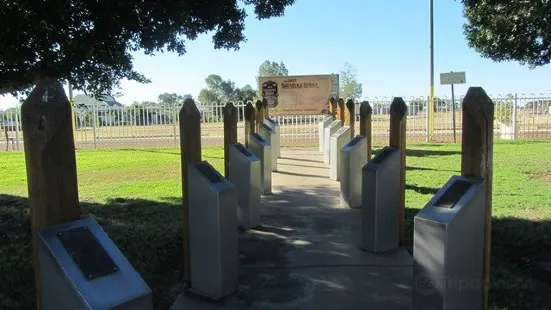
{"points": [[510, 30], [349, 85], [247, 93], [207, 97], [272, 68], [89, 42], [219, 90], [170, 99]]}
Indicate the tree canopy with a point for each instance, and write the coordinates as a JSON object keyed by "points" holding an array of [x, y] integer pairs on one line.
{"points": [[220, 90], [272, 68], [510, 30], [349, 85], [89, 42]]}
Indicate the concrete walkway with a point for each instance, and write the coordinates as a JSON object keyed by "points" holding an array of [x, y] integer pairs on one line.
{"points": [[306, 254]]}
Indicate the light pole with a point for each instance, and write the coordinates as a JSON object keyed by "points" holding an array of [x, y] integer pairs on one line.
{"points": [[431, 98]]}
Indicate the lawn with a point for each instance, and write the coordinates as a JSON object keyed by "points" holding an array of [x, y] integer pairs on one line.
{"points": [[135, 195]]}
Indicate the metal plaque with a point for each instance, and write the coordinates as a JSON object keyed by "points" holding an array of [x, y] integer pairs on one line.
{"points": [[355, 141], [387, 151], [242, 149], [209, 172], [259, 138], [90, 257], [268, 128], [453, 194]]}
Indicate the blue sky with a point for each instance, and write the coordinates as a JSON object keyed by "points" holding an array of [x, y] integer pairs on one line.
{"points": [[386, 41]]}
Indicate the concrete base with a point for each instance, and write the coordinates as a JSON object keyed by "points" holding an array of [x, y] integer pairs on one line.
{"points": [[306, 255]]}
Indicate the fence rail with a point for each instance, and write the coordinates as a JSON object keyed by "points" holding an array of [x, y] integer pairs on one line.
{"points": [[517, 117]]}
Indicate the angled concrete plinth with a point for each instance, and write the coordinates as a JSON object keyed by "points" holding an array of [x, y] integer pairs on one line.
{"points": [[306, 253]]}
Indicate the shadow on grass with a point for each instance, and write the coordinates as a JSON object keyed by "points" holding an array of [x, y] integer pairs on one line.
{"points": [[422, 189], [423, 153], [412, 168], [149, 235]]}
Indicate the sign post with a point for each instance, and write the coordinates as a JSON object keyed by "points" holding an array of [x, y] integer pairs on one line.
{"points": [[452, 78], [299, 94]]}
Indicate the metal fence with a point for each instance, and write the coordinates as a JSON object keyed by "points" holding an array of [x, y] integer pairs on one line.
{"points": [[516, 117]]}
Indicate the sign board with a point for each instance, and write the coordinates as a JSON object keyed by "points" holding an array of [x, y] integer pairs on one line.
{"points": [[452, 78], [299, 94]]}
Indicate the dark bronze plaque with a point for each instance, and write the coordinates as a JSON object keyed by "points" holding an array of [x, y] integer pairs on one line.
{"points": [[354, 141], [87, 253], [383, 155], [258, 137], [453, 194], [267, 127], [242, 149], [209, 172]]}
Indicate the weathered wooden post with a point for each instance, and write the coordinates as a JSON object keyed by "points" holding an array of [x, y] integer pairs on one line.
{"points": [[398, 116], [250, 125], [230, 134], [50, 162], [477, 161], [264, 109], [340, 111], [350, 116], [190, 151], [365, 125], [259, 117], [333, 107]]}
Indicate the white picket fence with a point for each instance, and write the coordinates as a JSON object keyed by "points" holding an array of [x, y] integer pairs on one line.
{"points": [[517, 117]]}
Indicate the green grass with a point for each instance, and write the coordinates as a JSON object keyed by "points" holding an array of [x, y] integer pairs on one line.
{"points": [[135, 195]]}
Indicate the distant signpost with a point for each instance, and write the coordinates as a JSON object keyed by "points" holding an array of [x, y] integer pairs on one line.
{"points": [[451, 78]]}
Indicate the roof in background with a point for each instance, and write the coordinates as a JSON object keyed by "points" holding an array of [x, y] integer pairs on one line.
{"points": [[89, 101]]}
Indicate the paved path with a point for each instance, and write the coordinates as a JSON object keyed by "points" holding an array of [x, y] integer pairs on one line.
{"points": [[306, 255]]}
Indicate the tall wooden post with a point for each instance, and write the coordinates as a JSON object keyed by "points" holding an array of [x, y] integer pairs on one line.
{"points": [[477, 161], [365, 125], [340, 111], [259, 115], [398, 116], [250, 115], [230, 134], [350, 116], [264, 109], [333, 107], [50, 161], [190, 152]]}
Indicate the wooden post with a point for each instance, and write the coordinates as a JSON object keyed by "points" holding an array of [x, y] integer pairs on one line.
{"points": [[264, 109], [365, 125], [340, 112], [259, 115], [477, 161], [333, 107], [398, 116], [190, 152], [350, 116], [50, 162], [249, 121], [230, 134]]}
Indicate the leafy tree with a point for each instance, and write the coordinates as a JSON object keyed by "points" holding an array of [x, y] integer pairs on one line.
{"points": [[89, 42], [220, 90], [207, 97], [272, 68], [349, 85], [170, 99], [247, 93], [510, 30]]}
